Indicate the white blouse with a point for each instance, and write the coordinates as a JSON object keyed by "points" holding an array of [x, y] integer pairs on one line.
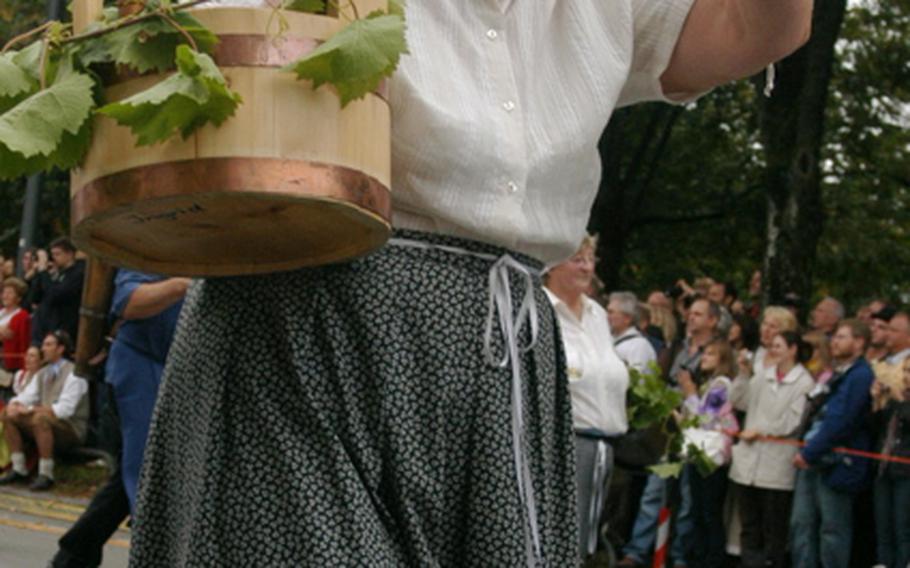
{"points": [[598, 379], [497, 111]]}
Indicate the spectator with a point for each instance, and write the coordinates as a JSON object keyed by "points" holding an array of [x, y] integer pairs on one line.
{"points": [[723, 293], [598, 381], [709, 402], [61, 294], [53, 411], [148, 306], [663, 318], [878, 326], [9, 268], [701, 329], [15, 328], [898, 338], [753, 304], [29, 371], [743, 334], [892, 483], [763, 471], [29, 274], [838, 414], [630, 344], [866, 310], [775, 320], [827, 313], [820, 365], [658, 298]]}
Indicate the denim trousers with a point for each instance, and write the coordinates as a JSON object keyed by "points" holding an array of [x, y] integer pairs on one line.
{"points": [[892, 520], [821, 524], [644, 532]]}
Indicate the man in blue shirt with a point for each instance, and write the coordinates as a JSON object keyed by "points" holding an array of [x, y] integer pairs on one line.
{"points": [[821, 523]]}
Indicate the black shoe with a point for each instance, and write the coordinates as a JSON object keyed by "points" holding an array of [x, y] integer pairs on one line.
{"points": [[41, 483], [13, 476]]}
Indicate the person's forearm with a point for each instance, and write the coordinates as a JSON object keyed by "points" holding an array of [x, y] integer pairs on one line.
{"points": [[153, 298]]}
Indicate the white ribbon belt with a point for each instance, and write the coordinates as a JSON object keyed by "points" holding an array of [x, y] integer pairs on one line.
{"points": [[500, 301]]}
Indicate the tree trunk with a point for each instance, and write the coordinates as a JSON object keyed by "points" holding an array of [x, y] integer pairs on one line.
{"points": [[792, 123]]}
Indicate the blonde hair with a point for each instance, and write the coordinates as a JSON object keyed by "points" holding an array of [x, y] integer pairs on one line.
{"points": [[785, 319], [819, 342], [662, 317]]}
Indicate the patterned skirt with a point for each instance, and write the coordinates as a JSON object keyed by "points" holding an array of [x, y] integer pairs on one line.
{"points": [[346, 416]]}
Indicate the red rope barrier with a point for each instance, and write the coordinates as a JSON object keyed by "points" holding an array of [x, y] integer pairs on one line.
{"points": [[838, 450]]}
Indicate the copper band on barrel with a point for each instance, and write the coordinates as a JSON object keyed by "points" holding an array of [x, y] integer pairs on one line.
{"points": [[242, 175], [250, 50]]}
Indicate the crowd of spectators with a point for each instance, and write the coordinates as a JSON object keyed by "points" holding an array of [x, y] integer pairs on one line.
{"points": [[786, 410], [43, 404]]}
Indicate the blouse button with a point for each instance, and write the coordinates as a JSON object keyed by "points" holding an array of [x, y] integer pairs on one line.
{"points": [[513, 187], [509, 106], [492, 34]]}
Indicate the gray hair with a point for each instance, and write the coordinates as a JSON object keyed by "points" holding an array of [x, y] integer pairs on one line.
{"points": [[839, 310], [627, 302]]}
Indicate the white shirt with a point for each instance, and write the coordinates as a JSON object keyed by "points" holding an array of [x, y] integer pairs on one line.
{"points": [[74, 389], [636, 351], [598, 379], [497, 111], [898, 358]]}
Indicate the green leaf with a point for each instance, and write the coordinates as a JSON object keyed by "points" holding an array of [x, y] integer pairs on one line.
{"points": [[149, 45], [14, 80], [667, 470], [36, 125], [190, 98], [396, 7], [29, 59], [356, 59], [308, 6]]}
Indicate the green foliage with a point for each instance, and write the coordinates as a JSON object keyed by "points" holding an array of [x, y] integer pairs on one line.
{"points": [[667, 469], [14, 80], [149, 45], [193, 96], [396, 7], [35, 128], [650, 400], [357, 58]]}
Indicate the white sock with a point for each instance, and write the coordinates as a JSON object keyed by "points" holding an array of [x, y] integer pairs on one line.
{"points": [[46, 467], [18, 459]]}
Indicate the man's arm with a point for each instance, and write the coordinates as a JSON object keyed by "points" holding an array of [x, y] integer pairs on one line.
{"points": [[74, 389], [724, 40], [153, 298], [844, 412]]}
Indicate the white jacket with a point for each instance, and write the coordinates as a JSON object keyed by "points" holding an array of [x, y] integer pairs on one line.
{"points": [[773, 408]]}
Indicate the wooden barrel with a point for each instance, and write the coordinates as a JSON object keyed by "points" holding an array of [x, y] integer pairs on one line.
{"points": [[291, 180]]}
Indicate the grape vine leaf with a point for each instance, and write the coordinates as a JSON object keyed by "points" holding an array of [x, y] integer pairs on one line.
{"points": [[29, 59], [149, 45], [396, 7], [36, 125], [14, 81], [308, 6], [193, 96], [357, 58], [666, 470], [69, 153]]}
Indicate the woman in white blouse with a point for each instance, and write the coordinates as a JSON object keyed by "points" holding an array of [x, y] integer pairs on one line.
{"points": [[598, 381], [764, 472], [414, 406]]}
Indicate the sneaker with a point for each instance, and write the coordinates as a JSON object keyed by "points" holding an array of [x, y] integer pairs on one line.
{"points": [[41, 483], [13, 476]]}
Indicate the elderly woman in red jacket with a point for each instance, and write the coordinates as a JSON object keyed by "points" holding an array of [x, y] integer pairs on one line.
{"points": [[15, 328]]}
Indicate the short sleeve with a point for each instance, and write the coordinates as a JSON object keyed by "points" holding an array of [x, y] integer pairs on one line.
{"points": [[125, 283], [657, 26]]}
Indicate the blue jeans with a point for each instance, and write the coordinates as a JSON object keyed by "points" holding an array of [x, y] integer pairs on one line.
{"points": [[641, 546], [892, 520], [821, 525]]}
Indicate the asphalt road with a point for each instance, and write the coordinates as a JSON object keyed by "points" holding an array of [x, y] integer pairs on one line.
{"points": [[30, 526]]}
